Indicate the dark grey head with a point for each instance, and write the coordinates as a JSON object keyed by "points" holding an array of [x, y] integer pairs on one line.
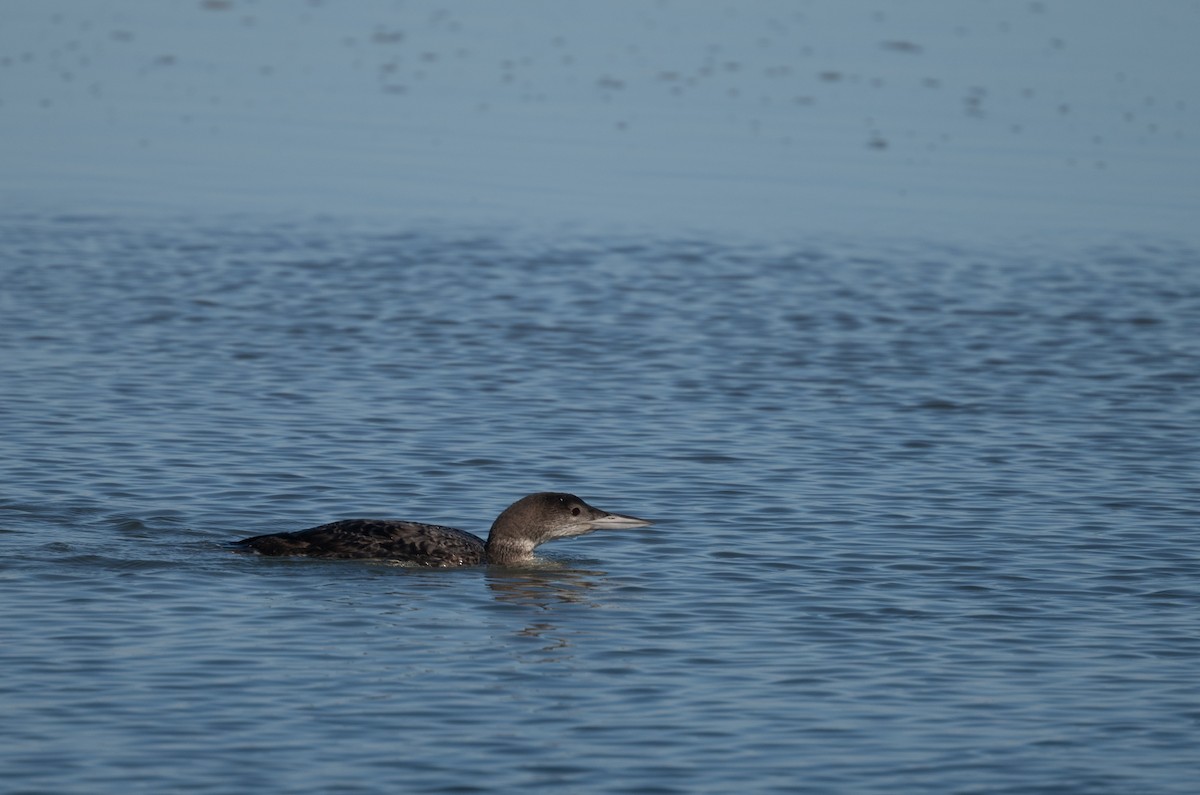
{"points": [[538, 518]]}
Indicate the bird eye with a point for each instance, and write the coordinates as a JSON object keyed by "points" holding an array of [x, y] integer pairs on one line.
{"points": [[575, 511]]}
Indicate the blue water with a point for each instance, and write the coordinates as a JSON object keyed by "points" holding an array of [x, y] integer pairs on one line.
{"points": [[927, 517]]}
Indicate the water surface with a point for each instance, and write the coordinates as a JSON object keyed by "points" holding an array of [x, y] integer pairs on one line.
{"points": [[926, 516]]}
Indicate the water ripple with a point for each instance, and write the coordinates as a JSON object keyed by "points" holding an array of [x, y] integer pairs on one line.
{"points": [[925, 517]]}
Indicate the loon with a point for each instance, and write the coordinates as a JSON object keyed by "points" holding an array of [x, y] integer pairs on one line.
{"points": [[517, 531]]}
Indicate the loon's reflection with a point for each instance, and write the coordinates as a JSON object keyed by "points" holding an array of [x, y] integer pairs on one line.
{"points": [[545, 585]]}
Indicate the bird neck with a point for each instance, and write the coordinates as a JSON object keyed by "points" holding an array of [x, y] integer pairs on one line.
{"points": [[504, 550]]}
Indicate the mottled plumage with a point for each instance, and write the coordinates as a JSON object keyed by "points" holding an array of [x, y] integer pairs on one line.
{"points": [[520, 529], [390, 539]]}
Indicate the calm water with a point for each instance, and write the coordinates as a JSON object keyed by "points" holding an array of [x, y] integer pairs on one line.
{"points": [[927, 517]]}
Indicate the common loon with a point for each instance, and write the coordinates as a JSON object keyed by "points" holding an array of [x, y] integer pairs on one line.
{"points": [[527, 523]]}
